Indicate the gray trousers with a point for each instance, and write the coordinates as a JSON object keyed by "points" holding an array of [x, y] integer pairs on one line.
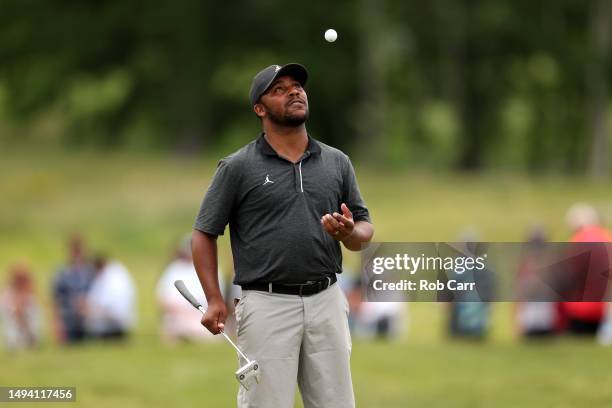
{"points": [[296, 340]]}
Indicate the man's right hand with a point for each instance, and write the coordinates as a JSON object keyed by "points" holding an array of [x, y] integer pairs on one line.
{"points": [[214, 318]]}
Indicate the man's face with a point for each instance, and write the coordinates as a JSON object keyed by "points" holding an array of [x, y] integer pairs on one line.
{"points": [[76, 251], [285, 103]]}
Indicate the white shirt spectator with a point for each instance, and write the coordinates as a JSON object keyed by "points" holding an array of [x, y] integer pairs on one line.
{"points": [[111, 300], [179, 318]]}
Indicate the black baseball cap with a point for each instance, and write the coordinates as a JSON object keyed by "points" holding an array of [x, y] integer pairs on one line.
{"points": [[266, 76]]}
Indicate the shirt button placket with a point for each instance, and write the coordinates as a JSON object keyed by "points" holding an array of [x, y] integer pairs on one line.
{"points": [[296, 177]]}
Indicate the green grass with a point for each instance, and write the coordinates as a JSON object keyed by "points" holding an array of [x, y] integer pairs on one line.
{"points": [[398, 374], [136, 208]]}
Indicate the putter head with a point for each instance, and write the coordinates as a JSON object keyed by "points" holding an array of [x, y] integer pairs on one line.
{"points": [[248, 373]]}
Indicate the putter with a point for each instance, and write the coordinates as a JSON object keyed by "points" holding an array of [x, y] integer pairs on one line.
{"points": [[245, 374]]}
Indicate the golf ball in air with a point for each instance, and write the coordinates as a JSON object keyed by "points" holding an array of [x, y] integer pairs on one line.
{"points": [[331, 35]]}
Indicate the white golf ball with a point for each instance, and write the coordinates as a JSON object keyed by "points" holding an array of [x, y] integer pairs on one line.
{"points": [[331, 35]]}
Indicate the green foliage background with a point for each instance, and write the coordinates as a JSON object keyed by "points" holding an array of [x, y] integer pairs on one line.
{"points": [[442, 84]]}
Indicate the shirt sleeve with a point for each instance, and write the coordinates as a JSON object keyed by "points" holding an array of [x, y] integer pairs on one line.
{"points": [[351, 195], [219, 200]]}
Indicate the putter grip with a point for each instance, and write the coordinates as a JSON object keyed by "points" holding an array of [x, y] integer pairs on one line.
{"points": [[180, 285]]}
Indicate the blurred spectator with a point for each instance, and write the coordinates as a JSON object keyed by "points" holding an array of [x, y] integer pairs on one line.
{"points": [[534, 319], [584, 222], [382, 320], [585, 317], [111, 301], [470, 311], [70, 287], [20, 313], [180, 320]]}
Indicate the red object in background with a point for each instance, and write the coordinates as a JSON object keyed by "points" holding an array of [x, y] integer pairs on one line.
{"points": [[592, 233], [592, 312]]}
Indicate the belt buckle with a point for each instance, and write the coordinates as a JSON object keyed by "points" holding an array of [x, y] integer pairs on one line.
{"points": [[270, 287], [307, 283]]}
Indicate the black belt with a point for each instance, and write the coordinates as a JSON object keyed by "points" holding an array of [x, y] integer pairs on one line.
{"points": [[302, 289]]}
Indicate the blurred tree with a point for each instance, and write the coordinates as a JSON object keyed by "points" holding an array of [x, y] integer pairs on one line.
{"points": [[373, 60], [443, 83], [600, 23]]}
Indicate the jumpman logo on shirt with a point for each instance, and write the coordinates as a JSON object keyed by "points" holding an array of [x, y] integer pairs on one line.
{"points": [[267, 180]]}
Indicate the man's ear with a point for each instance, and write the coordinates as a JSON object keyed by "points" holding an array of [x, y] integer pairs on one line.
{"points": [[259, 110]]}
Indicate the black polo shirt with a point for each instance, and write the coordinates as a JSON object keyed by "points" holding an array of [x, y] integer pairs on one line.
{"points": [[274, 209]]}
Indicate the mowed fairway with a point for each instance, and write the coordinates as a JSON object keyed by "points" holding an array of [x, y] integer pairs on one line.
{"points": [[402, 374], [136, 207]]}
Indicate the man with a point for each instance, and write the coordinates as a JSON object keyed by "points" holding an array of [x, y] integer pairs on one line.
{"points": [[585, 318], [70, 288], [110, 306], [290, 201], [179, 320]]}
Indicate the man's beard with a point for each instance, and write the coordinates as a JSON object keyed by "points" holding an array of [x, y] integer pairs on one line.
{"points": [[287, 118]]}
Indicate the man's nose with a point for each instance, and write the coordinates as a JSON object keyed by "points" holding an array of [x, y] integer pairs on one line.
{"points": [[294, 91]]}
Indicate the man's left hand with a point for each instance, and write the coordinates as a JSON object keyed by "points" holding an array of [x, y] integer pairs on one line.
{"points": [[339, 226]]}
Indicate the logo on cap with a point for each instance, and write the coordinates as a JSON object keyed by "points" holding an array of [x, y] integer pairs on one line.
{"points": [[278, 67]]}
